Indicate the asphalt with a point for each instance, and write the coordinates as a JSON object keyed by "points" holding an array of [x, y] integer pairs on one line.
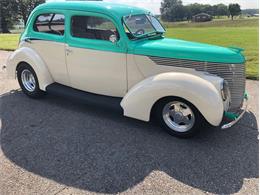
{"points": [[59, 146]]}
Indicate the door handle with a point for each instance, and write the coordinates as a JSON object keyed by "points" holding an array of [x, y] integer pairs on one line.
{"points": [[68, 51]]}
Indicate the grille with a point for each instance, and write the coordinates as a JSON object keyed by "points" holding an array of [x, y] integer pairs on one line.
{"points": [[234, 74]]}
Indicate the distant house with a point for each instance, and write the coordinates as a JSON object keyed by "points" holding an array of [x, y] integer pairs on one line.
{"points": [[201, 17]]}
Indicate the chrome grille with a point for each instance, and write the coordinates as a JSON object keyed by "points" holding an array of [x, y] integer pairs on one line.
{"points": [[234, 74]]}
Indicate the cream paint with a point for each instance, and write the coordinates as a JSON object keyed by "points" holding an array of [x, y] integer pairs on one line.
{"points": [[113, 74], [28, 55], [144, 66], [53, 55], [162, 81], [138, 102], [98, 72]]}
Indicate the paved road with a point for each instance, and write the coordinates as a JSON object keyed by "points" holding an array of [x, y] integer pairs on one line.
{"points": [[56, 146]]}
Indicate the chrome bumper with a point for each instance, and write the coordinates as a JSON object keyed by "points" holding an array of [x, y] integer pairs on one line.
{"points": [[236, 117]]}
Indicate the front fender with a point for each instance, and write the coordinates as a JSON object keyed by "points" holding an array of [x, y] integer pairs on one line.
{"points": [[139, 101], [25, 54]]}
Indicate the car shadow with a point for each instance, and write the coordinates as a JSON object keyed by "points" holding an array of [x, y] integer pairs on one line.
{"points": [[93, 147]]}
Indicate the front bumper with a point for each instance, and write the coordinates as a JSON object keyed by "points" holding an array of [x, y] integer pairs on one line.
{"points": [[234, 116]]}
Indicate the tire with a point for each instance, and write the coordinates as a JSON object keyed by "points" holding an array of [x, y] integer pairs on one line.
{"points": [[28, 81], [178, 117]]}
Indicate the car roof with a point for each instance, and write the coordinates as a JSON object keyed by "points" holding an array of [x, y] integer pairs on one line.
{"points": [[118, 10]]}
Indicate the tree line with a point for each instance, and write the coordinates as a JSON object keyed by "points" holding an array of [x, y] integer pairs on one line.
{"points": [[13, 10], [174, 10]]}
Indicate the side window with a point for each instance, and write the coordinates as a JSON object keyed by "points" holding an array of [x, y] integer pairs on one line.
{"points": [[50, 23], [91, 27]]}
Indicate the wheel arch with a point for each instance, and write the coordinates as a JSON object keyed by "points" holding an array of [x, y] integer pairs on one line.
{"points": [[153, 109], [142, 98], [30, 57]]}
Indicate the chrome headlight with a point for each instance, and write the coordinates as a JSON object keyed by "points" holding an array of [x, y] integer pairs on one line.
{"points": [[225, 92]]}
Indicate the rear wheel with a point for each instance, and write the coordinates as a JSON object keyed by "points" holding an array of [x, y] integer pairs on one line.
{"points": [[178, 117], [28, 81]]}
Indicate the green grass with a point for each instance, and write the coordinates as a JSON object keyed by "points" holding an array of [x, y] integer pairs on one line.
{"points": [[240, 33], [9, 42], [250, 22]]}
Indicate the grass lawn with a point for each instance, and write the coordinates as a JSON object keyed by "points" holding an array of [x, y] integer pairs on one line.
{"points": [[9, 41], [240, 33]]}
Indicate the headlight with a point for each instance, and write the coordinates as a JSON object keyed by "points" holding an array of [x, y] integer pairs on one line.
{"points": [[225, 93]]}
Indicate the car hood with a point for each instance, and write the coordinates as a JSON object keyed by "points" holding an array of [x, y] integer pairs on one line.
{"points": [[180, 49]]}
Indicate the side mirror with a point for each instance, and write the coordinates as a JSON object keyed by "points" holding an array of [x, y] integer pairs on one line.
{"points": [[113, 38]]}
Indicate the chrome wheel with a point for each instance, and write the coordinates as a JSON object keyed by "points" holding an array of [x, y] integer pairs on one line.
{"points": [[178, 116], [28, 80]]}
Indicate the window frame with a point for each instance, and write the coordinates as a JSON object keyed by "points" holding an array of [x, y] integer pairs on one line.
{"points": [[142, 36], [45, 33], [90, 14]]}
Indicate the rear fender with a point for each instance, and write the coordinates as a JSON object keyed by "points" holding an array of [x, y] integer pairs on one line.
{"points": [[139, 101], [29, 56]]}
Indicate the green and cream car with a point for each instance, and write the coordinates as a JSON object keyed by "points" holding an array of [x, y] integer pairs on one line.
{"points": [[118, 53]]}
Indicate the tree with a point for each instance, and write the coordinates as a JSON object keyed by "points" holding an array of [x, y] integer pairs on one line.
{"points": [[25, 7], [222, 10], [8, 14], [172, 10], [234, 10]]}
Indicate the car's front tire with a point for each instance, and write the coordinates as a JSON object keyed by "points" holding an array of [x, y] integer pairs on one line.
{"points": [[28, 81], [179, 117]]}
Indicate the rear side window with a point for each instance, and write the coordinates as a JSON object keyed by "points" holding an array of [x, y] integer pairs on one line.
{"points": [[91, 27], [50, 23]]}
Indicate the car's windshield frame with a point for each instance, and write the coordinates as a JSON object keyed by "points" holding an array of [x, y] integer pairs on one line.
{"points": [[153, 33]]}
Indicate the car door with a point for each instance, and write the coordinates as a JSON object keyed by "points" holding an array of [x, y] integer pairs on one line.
{"points": [[95, 64], [47, 38]]}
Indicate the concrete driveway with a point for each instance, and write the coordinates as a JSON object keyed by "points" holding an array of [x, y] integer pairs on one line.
{"points": [[57, 146]]}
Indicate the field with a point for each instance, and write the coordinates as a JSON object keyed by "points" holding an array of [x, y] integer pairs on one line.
{"points": [[240, 33]]}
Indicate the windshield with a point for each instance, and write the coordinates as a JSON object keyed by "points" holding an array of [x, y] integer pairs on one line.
{"points": [[143, 25]]}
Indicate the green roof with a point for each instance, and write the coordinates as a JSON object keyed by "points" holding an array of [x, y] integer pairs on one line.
{"points": [[116, 10]]}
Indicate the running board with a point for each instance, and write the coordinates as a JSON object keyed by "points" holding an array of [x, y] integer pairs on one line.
{"points": [[68, 92]]}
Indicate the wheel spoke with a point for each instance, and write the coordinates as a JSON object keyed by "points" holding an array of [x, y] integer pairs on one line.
{"points": [[178, 116], [28, 80]]}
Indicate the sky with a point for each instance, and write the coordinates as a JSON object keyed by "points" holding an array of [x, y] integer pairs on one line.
{"points": [[154, 5]]}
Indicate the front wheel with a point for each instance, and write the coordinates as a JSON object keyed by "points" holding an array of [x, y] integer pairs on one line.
{"points": [[179, 117], [28, 81]]}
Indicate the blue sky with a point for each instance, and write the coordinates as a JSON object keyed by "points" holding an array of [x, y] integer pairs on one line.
{"points": [[154, 5]]}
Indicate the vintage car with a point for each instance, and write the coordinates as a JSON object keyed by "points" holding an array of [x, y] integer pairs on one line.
{"points": [[118, 53]]}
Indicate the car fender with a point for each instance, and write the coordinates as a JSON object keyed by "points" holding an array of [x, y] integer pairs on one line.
{"points": [[25, 54], [140, 99]]}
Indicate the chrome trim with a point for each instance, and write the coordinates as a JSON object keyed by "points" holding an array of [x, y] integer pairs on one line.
{"points": [[244, 109], [28, 80], [234, 74], [178, 116]]}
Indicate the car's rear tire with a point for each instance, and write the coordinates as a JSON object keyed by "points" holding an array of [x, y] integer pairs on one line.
{"points": [[178, 117], [28, 81]]}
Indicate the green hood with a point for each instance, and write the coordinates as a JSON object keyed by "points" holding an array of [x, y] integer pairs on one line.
{"points": [[174, 48]]}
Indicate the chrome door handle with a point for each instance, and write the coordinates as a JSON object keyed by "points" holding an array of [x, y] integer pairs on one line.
{"points": [[68, 51]]}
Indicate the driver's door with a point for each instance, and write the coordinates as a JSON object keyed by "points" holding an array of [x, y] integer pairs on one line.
{"points": [[95, 63]]}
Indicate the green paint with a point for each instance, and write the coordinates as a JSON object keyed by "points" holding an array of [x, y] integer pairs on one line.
{"points": [[246, 95], [162, 47], [231, 115], [176, 48]]}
